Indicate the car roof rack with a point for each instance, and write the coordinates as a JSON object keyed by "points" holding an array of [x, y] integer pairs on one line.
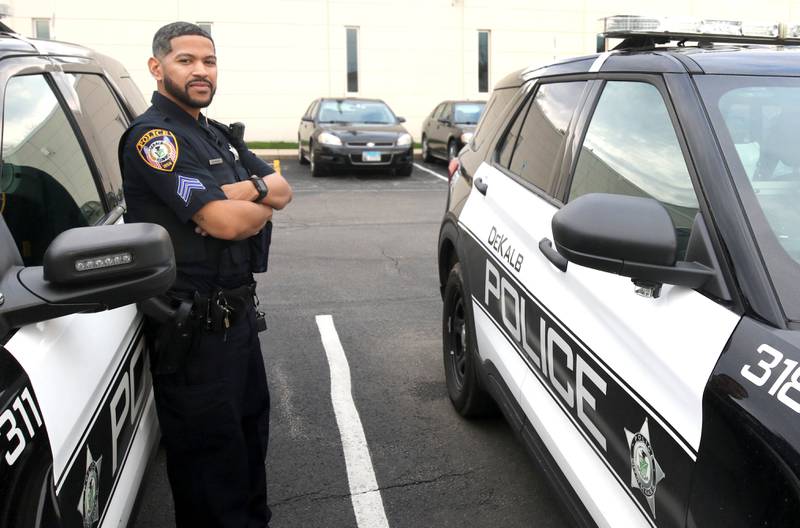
{"points": [[640, 32]]}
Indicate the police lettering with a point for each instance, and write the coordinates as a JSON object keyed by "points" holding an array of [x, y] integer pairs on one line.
{"points": [[569, 375], [126, 403], [500, 244]]}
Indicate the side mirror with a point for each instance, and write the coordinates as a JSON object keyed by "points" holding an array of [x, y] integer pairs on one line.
{"points": [[89, 269], [307, 119], [443, 120], [401, 119], [630, 236]]}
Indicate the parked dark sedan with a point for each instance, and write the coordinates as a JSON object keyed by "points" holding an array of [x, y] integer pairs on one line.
{"points": [[449, 127], [354, 134]]}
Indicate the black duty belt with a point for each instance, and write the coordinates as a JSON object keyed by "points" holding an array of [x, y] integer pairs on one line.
{"points": [[219, 310]]}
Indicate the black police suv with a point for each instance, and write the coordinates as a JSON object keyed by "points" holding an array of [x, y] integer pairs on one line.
{"points": [[77, 417], [354, 134], [449, 127], [620, 266]]}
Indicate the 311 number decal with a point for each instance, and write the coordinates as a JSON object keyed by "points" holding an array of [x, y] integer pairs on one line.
{"points": [[13, 431], [761, 373]]}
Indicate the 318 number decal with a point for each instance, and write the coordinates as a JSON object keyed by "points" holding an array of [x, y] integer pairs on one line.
{"points": [[785, 388], [11, 429]]}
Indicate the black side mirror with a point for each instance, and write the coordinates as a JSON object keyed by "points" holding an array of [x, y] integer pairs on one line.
{"points": [[89, 269], [401, 119], [307, 119], [627, 235]]}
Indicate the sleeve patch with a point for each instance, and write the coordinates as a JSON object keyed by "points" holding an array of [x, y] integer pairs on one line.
{"points": [[186, 185], [159, 149]]}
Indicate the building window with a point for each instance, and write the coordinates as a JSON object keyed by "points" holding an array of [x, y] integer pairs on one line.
{"points": [[483, 61], [205, 26], [41, 28], [352, 60]]}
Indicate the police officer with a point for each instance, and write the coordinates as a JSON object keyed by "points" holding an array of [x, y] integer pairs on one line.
{"points": [[196, 178]]}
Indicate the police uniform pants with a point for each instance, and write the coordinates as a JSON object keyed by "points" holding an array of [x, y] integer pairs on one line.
{"points": [[214, 416]]}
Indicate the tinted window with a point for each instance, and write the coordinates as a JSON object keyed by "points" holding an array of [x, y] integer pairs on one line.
{"points": [[439, 110], [352, 59], [495, 109], [308, 110], [108, 124], [631, 148], [46, 183], [543, 131], [483, 61]]}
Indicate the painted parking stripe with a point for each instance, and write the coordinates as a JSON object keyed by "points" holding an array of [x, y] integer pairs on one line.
{"points": [[364, 492], [420, 167]]}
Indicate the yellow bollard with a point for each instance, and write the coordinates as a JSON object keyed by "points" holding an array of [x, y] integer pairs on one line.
{"points": [[276, 164]]}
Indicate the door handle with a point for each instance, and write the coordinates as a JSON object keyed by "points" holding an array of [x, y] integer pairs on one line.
{"points": [[546, 247], [481, 185]]}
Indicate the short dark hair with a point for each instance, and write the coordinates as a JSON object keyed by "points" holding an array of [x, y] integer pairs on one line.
{"points": [[163, 37]]}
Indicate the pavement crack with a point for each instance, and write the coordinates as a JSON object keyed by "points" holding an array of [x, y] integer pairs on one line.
{"points": [[421, 482], [395, 260]]}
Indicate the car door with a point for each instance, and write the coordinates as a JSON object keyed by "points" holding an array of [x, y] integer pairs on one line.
{"points": [[441, 130], [430, 123], [89, 372], [307, 126], [610, 381]]}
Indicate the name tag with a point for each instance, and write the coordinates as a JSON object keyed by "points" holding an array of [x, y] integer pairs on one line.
{"points": [[215, 161]]}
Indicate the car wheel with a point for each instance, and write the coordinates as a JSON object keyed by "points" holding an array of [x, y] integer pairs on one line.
{"points": [[316, 170], [452, 150], [405, 171], [300, 156], [460, 361], [426, 150]]}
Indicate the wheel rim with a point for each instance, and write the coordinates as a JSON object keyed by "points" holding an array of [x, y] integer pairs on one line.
{"points": [[457, 330], [311, 159], [424, 147], [451, 151]]}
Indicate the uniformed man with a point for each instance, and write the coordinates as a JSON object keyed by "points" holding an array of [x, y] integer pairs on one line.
{"points": [[196, 178]]}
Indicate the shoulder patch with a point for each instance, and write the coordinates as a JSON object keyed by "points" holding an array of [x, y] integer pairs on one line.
{"points": [[159, 149]]}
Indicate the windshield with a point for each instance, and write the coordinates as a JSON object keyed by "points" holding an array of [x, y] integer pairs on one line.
{"points": [[354, 111], [467, 113], [757, 119]]}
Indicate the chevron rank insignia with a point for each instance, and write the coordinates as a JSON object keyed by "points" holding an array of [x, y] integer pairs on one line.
{"points": [[186, 185], [159, 149]]}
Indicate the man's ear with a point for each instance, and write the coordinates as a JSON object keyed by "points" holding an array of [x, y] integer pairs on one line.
{"points": [[154, 65]]}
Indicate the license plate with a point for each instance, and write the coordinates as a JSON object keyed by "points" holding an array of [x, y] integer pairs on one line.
{"points": [[370, 155]]}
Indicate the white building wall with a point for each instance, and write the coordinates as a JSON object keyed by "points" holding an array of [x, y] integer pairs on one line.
{"points": [[275, 56]]}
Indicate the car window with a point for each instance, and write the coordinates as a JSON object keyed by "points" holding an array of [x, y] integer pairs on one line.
{"points": [[542, 132], [447, 112], [355, 111], [46, 184], [467, 113], [108, 123], [309, 112], [437, 112], [495, 109], [631, 148]]}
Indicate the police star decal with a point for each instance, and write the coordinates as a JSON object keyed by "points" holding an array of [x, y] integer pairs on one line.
{"points": [[89, 503], [645, 471]]}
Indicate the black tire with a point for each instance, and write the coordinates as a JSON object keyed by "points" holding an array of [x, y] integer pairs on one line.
{"points": [[316, 170], [426, 151], [300, 156], [405, 172], [460, 359], [452, 150]]}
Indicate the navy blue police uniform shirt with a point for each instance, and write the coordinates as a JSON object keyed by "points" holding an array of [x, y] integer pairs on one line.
{"points": [[171, 159]]}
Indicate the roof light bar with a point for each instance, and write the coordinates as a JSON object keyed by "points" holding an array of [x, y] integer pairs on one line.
{"points": [[717, 30]]}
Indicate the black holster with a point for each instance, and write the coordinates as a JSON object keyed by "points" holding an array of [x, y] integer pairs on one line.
{"points": [[170, 330]]}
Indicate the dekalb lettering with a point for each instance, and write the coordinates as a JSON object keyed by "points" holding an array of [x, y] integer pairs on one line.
{"points": [[503, 247]]}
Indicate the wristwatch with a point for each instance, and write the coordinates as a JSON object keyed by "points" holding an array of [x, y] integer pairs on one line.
{"points": [[261, 187]]}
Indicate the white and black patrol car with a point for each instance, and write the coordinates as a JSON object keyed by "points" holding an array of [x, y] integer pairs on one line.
{"points": [[77, 419], [620, 267]]}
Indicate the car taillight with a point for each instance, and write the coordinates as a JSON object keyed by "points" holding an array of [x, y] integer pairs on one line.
{"points": [[452, 168]]}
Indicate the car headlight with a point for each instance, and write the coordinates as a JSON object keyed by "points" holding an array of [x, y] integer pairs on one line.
{"points": [[326, 138], [466, 137], [404, 140]]}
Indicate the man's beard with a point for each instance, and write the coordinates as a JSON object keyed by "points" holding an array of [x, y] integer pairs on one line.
{"points": [[183, 96]]}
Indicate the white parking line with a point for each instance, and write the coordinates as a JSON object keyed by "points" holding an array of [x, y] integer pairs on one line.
{"points": [[364, 492], [426, 169]]}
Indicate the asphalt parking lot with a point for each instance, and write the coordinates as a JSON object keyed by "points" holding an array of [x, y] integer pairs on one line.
{"points": [[362, 250]]}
